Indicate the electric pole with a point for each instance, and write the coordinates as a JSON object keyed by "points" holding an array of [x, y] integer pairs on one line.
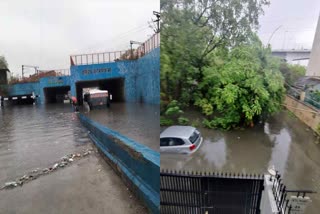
{"points": [[157, 14], [29, 66], [134, 42]]}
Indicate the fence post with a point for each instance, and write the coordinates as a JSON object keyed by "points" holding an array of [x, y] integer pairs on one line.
{"points": [[302, 96]]}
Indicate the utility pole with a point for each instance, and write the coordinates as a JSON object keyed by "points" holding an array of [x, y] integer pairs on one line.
{"points": [[29, 66], [157, 14], [131, 43], [273, 34]]}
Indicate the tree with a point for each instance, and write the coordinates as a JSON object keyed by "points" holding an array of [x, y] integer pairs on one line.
{"points": [[3, 62], [292, 73], [192, 30], [241, 87]]}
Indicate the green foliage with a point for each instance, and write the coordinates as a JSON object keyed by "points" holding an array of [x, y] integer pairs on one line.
{"points": [[207, 108], [165, 121], [173, 109], [183, 121], [3, 62], [192, 31], [292, 73], [315, 95], [246, 86], [211, 58]]}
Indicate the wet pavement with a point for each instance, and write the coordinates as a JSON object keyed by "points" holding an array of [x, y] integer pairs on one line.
{"points": [[137, 121], [283, 141], [34, 137], [88, 186]]}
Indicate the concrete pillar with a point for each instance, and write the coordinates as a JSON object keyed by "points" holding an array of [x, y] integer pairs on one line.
{"points": [[268, 203], [0, 101], [313, 68]]}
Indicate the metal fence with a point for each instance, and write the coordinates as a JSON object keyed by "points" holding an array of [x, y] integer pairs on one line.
{"points": [[308, 99], [283, 196], [105, 57], [149, 45], [218, 193]]}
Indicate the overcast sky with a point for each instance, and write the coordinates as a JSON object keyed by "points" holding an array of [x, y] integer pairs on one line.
{"points": [[45, 32], [297, 20]]}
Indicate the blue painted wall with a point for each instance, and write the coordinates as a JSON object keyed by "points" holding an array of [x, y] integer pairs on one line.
{"points": [[95, 72], [50, 82], [141, 78], [148, 89], [23, 88], [138, 165]]}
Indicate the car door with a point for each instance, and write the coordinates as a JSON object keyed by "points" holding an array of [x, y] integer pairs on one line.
{"points": [[172, 145]]}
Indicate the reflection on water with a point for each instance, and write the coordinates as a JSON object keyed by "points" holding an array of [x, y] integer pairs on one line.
{"points": [[36, 136], [137, 121], [220, 157], [280, 150], [282, 141]]}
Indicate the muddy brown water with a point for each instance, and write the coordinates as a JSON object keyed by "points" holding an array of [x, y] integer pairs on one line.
{"points": [[36, 136], [137, 121], [282, 141]]}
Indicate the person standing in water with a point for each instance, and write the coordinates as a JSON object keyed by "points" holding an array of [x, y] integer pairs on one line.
{"points": [[75, 104]]}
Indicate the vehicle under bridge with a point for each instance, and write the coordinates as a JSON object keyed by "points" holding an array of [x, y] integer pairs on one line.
{"points": [[115, 87], [55, 94], [17, 99]]}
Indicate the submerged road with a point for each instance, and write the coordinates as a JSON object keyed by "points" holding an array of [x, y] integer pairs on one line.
{"points": [[34, 137], [283, 141], [137, 121]]}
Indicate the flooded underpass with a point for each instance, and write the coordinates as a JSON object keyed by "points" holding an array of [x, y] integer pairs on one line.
{"points": [[36, 137], [283, 141], [137, 121]]}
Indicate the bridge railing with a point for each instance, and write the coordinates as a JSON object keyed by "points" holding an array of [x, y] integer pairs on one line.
{"points": [[105, 57], [96, 58], [152, 43]]}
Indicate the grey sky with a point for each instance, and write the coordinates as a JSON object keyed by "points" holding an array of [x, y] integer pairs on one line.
{"points": [[298, 20], [45, 32]]}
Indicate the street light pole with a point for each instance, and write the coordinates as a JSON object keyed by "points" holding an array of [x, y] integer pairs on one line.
{"points": [[273, 34]]}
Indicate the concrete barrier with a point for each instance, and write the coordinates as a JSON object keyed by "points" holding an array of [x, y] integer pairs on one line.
{"points": [[138, 165]]}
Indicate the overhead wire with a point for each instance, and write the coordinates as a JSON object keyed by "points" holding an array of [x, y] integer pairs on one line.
{"points": [[119, 37]]}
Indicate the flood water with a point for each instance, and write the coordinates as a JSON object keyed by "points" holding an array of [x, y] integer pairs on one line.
{"points": [[283, 141], [36, 136], [137, 121]]}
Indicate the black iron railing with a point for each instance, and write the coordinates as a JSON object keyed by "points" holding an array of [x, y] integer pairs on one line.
{"points": [[218, 193], [282, 194]]}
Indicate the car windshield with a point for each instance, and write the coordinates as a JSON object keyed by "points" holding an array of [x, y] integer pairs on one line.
{"points": [[194, 137]]}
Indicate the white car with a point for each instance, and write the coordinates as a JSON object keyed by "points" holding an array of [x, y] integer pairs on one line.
{"points": [[180, 139]]}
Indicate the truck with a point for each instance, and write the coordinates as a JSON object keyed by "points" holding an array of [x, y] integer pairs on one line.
{"points": [[96, 97]]}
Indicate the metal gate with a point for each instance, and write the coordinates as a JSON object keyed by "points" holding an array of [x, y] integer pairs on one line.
{"points": [[197, 193]]}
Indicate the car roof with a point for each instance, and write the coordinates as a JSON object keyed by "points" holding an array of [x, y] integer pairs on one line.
{"points": [[178, 131]]}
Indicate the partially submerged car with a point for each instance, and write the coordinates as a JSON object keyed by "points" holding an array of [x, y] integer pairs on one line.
{"points": [[180, 139], [96, 97]]}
